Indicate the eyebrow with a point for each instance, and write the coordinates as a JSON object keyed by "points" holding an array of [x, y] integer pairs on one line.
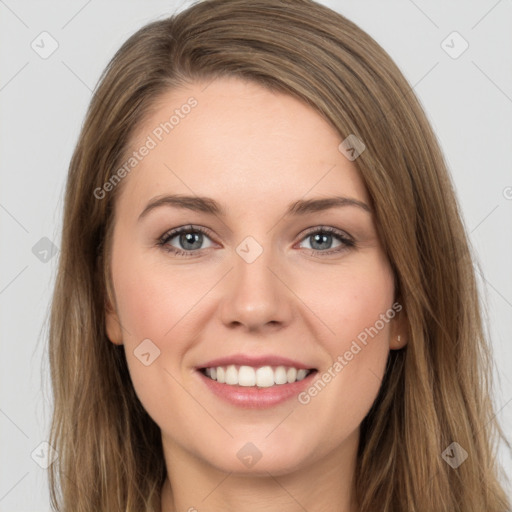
{"points": [[212, 207]]}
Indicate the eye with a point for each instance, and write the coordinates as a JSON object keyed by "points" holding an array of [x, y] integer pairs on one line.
{"points": [[321, 238], [189, 239]]}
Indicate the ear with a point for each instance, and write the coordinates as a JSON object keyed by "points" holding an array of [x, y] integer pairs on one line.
{"points": [[399, 330], [113, 326]]}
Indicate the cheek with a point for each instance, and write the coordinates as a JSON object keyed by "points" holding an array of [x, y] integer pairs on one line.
{"points": [[155, 307], [154, 301], [357, 306], [351, 300]]}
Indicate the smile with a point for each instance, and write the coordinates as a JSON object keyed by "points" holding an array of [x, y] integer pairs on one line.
{"points": [[249, 376]]}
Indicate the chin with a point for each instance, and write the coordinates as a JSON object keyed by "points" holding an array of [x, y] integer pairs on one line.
{"points": [[248, 456]]}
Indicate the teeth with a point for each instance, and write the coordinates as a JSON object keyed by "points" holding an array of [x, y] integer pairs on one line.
{"points": [[291, 375], [301, 374], [262, 377], [231, 375], [280, 375], [246, 376]]}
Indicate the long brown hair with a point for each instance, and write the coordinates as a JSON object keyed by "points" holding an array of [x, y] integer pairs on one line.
{"points": [[436, 391]]}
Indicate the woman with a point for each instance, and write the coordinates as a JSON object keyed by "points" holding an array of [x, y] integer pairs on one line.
{"points": [[257, 369]]}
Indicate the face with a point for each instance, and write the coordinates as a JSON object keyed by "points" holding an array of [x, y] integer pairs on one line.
{"points": [[256, 280]]}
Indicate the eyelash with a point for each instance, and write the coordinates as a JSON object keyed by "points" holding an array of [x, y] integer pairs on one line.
{"points": [[169, 235]]}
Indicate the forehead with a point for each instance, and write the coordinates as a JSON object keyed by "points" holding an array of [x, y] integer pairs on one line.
{"points": [[240, 143]]}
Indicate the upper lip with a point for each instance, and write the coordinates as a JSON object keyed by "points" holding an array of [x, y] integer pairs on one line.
{"points": [[255, 361]]}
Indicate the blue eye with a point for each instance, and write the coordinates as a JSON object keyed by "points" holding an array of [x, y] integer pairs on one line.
{"points": [[323, 236], [190, 240]]}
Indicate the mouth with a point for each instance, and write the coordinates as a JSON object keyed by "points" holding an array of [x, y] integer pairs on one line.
{"points": [[259, 377], [255, 383]]}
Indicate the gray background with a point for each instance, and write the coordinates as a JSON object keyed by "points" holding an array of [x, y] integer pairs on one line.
{"points": [[43, 101]]}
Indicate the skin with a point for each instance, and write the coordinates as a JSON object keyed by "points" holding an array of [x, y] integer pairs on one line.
{"points": [[254, 152]]}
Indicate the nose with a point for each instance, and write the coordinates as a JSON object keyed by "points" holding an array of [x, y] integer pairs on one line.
{"points": [[257, 297]]}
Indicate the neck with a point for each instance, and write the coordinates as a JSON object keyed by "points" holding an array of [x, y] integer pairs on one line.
{"points": [[192, 485]]}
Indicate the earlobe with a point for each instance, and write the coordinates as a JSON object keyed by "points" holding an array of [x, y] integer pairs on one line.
{"points": [[113, 326], [399, 332], [397, 342]]}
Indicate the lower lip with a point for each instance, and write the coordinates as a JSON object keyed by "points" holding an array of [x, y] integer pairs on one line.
{"points": [[254, 397]]}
